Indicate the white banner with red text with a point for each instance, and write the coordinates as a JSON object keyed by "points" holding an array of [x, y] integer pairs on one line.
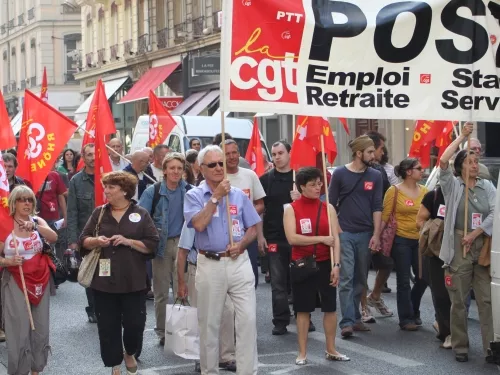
{"points": [[382, 59]]}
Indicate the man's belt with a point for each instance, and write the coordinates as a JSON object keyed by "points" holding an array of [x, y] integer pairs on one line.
{"points": [[216, 256]]}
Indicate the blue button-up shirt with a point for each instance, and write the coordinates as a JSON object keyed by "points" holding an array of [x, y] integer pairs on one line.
{"points": [[187, 242], [215, 237]]}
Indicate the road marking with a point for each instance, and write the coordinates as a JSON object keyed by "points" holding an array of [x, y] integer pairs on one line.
{"points": [[364, 350], [286, 370], [346, 368]]}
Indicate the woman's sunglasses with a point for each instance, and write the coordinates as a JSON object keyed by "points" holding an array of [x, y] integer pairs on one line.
{"points": [[25, 199]]}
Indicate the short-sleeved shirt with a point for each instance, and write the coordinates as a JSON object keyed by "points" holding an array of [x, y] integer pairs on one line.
{"points": [[187, 242], [434, 203], [248, 181], [54, 186], [215, 237]]}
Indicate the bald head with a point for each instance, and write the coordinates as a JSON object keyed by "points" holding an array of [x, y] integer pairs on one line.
{"points": [[140, 161], [117, 145], [150, 152]]}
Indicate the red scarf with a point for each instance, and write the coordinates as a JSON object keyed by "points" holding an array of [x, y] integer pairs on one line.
{"points": [[36, 276]]}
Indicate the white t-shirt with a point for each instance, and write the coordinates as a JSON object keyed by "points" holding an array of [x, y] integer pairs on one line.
{"points": [[248, 181], [27, 246], [118, 167], [157, 173]]}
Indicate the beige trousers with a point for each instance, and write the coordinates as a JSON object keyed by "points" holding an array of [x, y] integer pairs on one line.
{"points": [[164, 271], [462, 275], [215, 281], [226, 334]]}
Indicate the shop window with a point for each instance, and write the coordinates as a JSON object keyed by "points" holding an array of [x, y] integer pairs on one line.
{"points": [[363, 126]]}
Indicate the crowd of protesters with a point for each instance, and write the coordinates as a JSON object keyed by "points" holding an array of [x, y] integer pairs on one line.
{"points": [[165, 226]]}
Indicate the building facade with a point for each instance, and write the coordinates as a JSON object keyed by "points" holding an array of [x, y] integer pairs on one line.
{"points": [[38, 34]]}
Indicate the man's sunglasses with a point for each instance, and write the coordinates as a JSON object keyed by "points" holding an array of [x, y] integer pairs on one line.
{"points": [[25, 199], [213, 165]]}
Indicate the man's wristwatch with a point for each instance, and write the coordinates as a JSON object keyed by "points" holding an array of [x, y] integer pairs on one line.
{"points": [[336, 265], [214, 200]]}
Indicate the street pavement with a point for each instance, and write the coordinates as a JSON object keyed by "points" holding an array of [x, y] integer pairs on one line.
{"points": [[386, 350]]}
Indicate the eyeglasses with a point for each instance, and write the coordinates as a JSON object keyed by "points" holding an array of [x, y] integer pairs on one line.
{"points": [[418, 168], [214, 164], [25, 199]]}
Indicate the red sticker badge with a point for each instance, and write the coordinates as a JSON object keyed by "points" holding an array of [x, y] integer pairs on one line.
{"points": [[448, 281], [272, 248], [233, 209], [368, 185], [409, 203]]}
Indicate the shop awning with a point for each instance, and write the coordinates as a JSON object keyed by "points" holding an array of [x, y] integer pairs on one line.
{"points": [[203, 103], [17, 122], [149, 81], [110, 87], [188, 103]]}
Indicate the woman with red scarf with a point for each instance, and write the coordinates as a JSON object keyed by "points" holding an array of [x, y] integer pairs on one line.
{"points": [[27, 350]]}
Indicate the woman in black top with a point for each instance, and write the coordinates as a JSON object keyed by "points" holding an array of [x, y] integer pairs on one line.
{"points": [[434, 208], [127, 238]]}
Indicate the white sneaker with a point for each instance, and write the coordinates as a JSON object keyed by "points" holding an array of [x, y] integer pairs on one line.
{"points": [[366, 316], [447, 343]]}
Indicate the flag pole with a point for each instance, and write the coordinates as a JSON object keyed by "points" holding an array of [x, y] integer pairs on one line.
{"points": [[294, 124], [466, 215], [228, 213], [325, 184], [23, 282], [120, 155]]}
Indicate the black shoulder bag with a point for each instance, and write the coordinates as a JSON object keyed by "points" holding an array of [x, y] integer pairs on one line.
{"points": [[306, 267]]}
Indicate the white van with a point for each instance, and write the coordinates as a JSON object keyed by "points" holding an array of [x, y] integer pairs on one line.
{"points": [[202, 127]]}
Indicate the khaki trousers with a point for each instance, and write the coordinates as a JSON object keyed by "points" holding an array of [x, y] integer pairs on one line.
{"points": [[215, 281], [27, 350], [462, 275], [164, 271], [226, 334]]}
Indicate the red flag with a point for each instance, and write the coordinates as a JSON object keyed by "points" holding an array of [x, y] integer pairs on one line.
{"points": [[445, 138], [7, 138], [317, 127], [303, 154], [254, 151], [100, 111], [106, 123], [44, 134], [344, 123], [5, 218], [425, 133], [44, 95], [160, 121]]}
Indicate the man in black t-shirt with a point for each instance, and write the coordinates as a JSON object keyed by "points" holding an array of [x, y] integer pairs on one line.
{"points": [[278, 185]]}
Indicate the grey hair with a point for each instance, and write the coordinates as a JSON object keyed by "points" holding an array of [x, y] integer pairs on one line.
{"points": [[8, 157], [206, 150]]}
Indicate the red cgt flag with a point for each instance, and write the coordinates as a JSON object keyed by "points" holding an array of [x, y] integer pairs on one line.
{"points": [[303, 154], [44, 95], [445, 138], [7, 138], [424, 134], [100, 111], [44, 133], [161, 123], [5, 218], [317, 127], [254, 151]]}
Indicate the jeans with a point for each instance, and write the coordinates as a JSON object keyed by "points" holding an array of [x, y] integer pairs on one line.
{"points": [[253, 254], [279, 269], [405, 255], [355, 257]]}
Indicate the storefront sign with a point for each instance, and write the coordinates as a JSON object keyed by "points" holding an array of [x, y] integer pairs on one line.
{"points": [[436, 59], [206, 65], [170, 103]]}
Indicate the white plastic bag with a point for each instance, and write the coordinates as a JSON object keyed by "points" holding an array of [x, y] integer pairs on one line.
{"points": [[181, 331]]}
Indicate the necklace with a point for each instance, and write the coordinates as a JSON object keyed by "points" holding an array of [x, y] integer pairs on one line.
{"points": [[120, 209], [19, 223]]}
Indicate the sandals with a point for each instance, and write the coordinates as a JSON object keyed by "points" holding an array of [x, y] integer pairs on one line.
{"points": [[301, 362], [116, 370], [131, 370], [336, 357]]}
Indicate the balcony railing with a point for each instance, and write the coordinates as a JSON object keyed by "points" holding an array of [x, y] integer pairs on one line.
{"points": [[11, 24], [127, 47], [113, 51], [3, 29], [5, 89], [198, 26], [70, 9], [180, 32], [143, 43], [69, 77], [100, 56], [20, 19], [162, 37], [88, 59], [215, 21], [33, 81], [13, 85], [31, 13], [23, 84]]}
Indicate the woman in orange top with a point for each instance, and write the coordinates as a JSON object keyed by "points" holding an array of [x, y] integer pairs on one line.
{"points": [[405, 247]]}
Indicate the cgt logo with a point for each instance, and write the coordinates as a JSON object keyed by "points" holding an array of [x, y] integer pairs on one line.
{"points": [[4, 182], [425, 79], [286, 35], [35, 148], [153, 126], [246, 3], [493, 39]]}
